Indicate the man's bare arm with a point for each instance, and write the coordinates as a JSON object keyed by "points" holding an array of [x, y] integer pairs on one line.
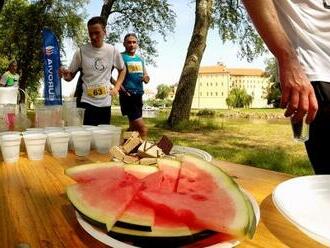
{"points": [[297, 92]]}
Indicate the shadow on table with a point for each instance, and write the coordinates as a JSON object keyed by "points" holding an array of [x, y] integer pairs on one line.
{"points": [[282, 228]]}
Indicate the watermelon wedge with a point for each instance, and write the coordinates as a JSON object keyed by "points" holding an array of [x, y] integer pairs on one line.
{"points": [[202, 187], [102, 199]]}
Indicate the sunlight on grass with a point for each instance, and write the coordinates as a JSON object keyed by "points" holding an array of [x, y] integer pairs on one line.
{"points": [[260, 143]]}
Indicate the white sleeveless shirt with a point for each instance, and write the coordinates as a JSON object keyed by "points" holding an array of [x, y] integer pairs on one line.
{"points": [[307, 24]]}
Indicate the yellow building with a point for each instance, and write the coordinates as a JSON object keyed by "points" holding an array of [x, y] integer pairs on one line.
{"points": [[215, 82]]}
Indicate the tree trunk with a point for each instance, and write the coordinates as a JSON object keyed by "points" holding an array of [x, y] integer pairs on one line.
{"points": [[106, 9], [184, 95]]}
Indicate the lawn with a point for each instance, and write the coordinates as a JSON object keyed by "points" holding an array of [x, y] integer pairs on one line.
{"points": [[259, 138]]}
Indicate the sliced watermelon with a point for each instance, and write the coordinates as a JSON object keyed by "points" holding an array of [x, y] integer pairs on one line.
{"points": [[177, 200], [165, 179], [105, 198], [202, 187]]}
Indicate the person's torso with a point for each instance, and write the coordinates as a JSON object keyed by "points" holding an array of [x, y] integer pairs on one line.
{"points": [[133, 79], [307, 25], [97, 64], [10, 79]]}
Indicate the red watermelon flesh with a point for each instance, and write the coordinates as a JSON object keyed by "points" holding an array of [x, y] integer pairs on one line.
{"points": [[200, 201], [165, 180], [104, 200]]}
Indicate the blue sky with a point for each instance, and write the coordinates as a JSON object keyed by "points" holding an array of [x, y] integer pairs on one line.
{"points": [[172, 53]]}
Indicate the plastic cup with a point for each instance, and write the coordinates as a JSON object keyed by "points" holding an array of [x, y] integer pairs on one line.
{"points": [[81, 142], [91, 128], [103, 140], [35, 145], [116, 137], [300, 130], [58, 142], [10, 146], [71, 129]]}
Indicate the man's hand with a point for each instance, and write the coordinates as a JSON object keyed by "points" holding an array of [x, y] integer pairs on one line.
{"points": [[298, 95], [65, 73], [145, 79], [114, 91]]}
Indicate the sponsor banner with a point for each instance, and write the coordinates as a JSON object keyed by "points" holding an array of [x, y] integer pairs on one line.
{"points": [[52, 87]]}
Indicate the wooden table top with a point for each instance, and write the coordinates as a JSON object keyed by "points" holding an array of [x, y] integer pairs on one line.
{"points": [[35, 212]]}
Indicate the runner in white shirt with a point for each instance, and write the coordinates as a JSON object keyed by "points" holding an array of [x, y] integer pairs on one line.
{"points": [[297, 32], [96, 60]]}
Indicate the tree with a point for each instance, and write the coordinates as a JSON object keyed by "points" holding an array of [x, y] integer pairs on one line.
{"points": [[21, 24], [143, 17], [1, 4], [273, 91], [238, 98], [183, 97], [163, 91], [231, 19]]}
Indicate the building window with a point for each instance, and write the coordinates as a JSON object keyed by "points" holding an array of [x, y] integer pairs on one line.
{"points": [[216, 93], [207, 94]]}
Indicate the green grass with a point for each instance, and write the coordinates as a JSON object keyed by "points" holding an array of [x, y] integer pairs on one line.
{"points": [[251, 141]]}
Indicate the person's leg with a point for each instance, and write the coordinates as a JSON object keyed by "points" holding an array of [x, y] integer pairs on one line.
{"points": [[138, 125], [319, 132], [134, 115]]}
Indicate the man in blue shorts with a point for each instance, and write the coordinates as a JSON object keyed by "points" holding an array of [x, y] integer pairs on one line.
{"points": [[130, 95]]}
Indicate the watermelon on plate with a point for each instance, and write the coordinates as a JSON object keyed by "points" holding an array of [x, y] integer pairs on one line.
{"points": [[185, 198]]}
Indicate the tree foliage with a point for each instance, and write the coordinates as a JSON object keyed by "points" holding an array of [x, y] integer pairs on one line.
{"points": [[21, 24], [273, 91], [143, 17], [163, 91], [234, 24], [238, 98]]}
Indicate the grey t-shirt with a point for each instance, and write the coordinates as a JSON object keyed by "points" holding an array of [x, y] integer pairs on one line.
{"points": [[97, 65]]}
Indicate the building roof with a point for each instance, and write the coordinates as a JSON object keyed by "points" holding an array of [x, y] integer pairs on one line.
{"points": [[232, 71], [212, 69], [246, 72]]}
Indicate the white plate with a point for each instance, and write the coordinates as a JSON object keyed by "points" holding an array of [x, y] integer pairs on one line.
{"points": [[305, 201], [107, 240], [192, 151]]}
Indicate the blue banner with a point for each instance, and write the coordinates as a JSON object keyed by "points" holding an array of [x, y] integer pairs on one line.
{"points": [[52, 89]]}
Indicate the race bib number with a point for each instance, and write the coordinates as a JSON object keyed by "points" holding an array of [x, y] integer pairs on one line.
{"points": [[97, 90]]}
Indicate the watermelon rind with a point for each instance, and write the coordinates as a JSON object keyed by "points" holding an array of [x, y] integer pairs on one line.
{"points": [[72, 171], [93, 213], [244, 222]]}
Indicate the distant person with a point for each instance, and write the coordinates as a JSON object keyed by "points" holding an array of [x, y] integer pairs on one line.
{"points": [[10, 77], [298, 34], [95, 60], [130, 96]]}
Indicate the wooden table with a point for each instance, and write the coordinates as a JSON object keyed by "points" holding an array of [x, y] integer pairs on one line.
{"points": [[35, 212]]}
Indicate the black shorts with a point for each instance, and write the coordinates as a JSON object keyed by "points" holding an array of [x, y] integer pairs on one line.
{"points": [[131, 106], [96, 115]]}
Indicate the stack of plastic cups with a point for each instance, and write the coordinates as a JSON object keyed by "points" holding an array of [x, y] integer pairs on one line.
{"points": [[35, 145], [48, 130], [10, 147], [91, 128], [116, 137], [58, 142], [81, 142], [71, 129], [103, 140]]}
